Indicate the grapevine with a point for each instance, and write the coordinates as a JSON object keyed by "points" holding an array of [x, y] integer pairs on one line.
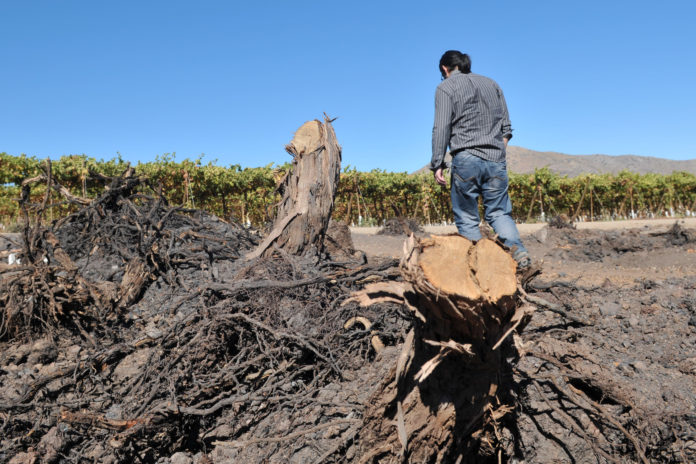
{"points": [[249, 195]]}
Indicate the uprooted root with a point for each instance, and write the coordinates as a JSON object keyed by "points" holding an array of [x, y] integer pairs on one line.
{"points": [[581, 393], [132, 331], [88, 267], [240, 353], [192, 348]]}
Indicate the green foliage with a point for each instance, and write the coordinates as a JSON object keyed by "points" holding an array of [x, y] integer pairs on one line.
{"points": [[249, 195]]}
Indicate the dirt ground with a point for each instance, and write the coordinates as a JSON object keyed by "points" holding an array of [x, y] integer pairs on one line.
{"points": [[221, 360], [577, 256], [632, 284]]}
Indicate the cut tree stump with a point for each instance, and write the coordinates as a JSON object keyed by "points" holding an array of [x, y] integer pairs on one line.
{"points": [[451, 386], [466, 290], [308, 192]]}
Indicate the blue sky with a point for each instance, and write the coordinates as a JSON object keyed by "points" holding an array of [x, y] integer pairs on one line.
{"points": [[234, 80]]}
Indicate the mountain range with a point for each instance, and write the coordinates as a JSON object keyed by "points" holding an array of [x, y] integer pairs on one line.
{"points": [[523, 161]]}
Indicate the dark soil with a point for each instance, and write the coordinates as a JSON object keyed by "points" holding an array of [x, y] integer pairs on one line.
{"points": [[634, 361], [214, 358], [400, 226], [561, 222], [192, 351]]}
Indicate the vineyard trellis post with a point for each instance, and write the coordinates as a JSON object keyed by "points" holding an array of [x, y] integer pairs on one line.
{"points": [[348, 208], [582, 198], [364, 203], [660, 204], [425, 201], [357, 201], [601, 205], [83, 176], [531, 205], [243, 206], [591, 204]]}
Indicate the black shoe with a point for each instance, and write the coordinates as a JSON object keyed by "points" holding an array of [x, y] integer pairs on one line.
{"points": [[524, 263], [523, 260]]}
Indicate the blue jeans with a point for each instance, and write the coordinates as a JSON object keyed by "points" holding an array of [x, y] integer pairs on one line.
{"points": [[473, 177]]}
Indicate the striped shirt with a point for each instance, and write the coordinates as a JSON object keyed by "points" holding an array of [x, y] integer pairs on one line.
{"points": [[470, 114]]}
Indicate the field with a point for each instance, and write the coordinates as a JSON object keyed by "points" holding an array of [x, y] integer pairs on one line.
{"points": [[93, 396], [137, 329], [587, 261], [636, 282]]}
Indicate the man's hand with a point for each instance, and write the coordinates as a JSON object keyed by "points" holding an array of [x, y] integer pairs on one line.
{"points": [[439, 178]]}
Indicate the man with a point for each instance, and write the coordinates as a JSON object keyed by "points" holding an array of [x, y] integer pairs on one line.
{"points": [[471, 117]]}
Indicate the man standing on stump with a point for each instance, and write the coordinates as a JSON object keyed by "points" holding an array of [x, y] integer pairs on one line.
{"points": [[471, 117]]}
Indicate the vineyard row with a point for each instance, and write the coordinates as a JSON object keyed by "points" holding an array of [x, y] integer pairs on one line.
{"points": [[366, 198]]}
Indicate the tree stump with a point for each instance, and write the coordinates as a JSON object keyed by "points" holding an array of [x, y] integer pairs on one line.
{"points": [[308, 192], [466, 290], [450, 387]]}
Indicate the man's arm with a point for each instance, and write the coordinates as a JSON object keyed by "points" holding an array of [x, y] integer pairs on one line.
{"points": [[441, 129], [507, 127]]}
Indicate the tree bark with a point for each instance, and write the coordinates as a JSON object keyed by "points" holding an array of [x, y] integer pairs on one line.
{"points": [[451, 385], [308, 192]]}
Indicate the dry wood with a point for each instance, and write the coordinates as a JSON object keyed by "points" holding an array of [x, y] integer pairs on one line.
{"points": [[58, 188], [219, 344], [308, 192], [466, 302], [463, 291]]}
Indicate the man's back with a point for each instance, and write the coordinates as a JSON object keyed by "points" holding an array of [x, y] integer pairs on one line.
{"points": [[474, 108], [472, 118]]}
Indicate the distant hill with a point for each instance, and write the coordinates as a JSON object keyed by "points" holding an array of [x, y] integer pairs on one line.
{"points": [[522, 161]]}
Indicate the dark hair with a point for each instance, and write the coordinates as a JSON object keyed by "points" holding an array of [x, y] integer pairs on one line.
{"points": [[455, 59]]}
